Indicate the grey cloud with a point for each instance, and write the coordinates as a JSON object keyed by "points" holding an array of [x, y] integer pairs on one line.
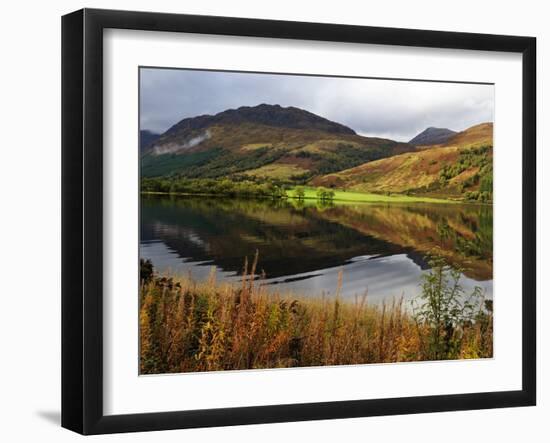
{"points": [[383, 108]]}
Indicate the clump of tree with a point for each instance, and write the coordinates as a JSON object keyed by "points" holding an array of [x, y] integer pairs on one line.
{"points": [[325, 195], [468, 158], [483, 179], [479, 196], [345, 156], [238, 187]]}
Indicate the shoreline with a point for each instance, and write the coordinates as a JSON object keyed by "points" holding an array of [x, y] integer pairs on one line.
{"points": [[368, 198]]}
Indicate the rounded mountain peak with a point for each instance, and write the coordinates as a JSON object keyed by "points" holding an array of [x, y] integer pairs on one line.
{"points": [[432, 136], [273, 115]]}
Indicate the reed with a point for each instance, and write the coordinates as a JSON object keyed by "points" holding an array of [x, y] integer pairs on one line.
{"points": [[189, 326]]}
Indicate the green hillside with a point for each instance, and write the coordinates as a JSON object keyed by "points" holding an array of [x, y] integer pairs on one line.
{"points": [[268, 148], [461, 169]]}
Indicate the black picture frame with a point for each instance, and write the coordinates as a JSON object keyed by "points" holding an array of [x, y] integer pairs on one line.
{"points": [[82, 218]]}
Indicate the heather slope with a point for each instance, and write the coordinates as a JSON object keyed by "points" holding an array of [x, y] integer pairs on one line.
{"points": [[460, 166]]}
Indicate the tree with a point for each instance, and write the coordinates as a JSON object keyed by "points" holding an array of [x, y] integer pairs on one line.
{"points": [[321, 193], [277, 191], [299, 192], [325, 195]]}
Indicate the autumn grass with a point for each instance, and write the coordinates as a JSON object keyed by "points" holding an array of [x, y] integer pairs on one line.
{"points": [[190, 326]]}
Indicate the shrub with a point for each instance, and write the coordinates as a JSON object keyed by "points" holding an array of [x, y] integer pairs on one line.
{"points": [[446, 309]]}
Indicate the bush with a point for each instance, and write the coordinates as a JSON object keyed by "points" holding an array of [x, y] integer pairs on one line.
{"points": [[446, 309], [145, 270]]}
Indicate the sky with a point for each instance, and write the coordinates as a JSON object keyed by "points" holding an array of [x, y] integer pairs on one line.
{"points": [[393, 109]]}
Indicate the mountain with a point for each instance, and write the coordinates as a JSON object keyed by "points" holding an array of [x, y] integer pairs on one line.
{"points": [[432, 136], [460, 168], [146, 137], [264, 141], [267, 115]]}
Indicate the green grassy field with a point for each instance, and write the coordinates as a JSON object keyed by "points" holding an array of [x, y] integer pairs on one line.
{"points": [[352, 196]]}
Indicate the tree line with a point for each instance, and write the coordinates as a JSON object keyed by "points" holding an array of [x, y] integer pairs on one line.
{"points": [[230, 188]]}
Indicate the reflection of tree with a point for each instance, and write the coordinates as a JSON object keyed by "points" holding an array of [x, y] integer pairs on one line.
{"points": [[325, 232], [461, 233], [286, 233], [297, 203], [323, 205], [479, 243], [444, 230]]}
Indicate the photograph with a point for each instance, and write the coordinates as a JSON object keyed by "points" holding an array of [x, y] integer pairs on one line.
{"points": [[243, 221], [292, 220]]}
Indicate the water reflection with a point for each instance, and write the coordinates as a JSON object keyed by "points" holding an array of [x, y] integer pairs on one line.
{"points": [[380, 248]]}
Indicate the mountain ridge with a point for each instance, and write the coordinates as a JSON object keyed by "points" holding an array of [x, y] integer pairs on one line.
{"points": [[264, 141], [263, 114], [290, 146]]}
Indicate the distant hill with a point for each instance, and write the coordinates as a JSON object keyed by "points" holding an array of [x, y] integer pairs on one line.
{"points": [[264, 141], [460, 166], [475, 135], [432, 136], [146, 138]]}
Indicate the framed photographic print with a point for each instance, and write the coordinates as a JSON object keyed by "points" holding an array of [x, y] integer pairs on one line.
{"points": [[270, 221]]}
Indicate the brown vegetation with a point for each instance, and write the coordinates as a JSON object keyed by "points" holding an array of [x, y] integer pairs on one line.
{"points": [[462, 238], [481, 134], [186, 326], [420, 172]]}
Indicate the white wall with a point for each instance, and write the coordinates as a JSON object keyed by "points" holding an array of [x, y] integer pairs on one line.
{"points": [[30, 220]]}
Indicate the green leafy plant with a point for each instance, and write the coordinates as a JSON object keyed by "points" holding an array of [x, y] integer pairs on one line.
{"points": [[445, 309]]}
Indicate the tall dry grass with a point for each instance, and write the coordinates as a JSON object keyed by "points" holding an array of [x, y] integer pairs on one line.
{"points": [[189, 326]]}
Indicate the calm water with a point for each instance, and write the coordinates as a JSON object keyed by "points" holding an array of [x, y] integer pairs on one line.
{"points": [[379, 248]]}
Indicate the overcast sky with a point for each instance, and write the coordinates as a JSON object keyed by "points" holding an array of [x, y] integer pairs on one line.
{"points": [[384, 108]]}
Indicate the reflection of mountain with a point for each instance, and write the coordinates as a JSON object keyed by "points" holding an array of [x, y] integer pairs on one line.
{"points": [[289, 241], [292, 240], [463, 235]]}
